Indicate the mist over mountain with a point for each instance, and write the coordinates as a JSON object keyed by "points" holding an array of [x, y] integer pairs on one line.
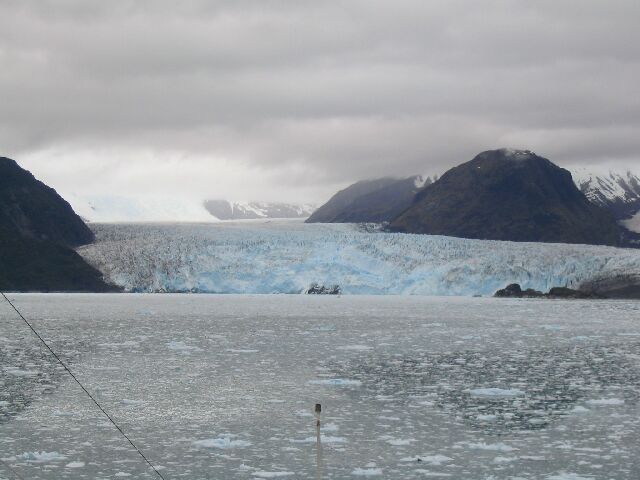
{"points": [[378, 200]]}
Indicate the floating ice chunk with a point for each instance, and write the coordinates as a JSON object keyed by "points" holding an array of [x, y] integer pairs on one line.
{"points": [[398, 442], [40, 457], [303, 413], [496, 447], [355, 348], [122, 474], [222, 443], [330, 427], [183, 348], [323, 439], [389, 419], [552, 327], [504, 459], [325, 328], [496, 392], [75, 465], [568, 476], [336, 382], [434, 460], [486, 417], [263, 474], [17, 372], [606, 401], [579, 409], [429, 473], [367, 472], [126, 343]]}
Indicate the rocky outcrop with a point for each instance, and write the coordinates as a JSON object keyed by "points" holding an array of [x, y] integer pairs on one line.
{"points": [[515, 291], [316, 289], [623, 286]]}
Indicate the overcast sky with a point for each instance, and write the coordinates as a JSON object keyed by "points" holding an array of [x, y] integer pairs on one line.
{"points": [[289, 100]]}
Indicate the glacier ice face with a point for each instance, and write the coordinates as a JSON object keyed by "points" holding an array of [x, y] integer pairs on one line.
{"points": [[138, 208], [287, 256]]}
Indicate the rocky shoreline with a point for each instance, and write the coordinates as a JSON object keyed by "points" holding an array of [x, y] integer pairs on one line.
{"points": [[629, 291]]}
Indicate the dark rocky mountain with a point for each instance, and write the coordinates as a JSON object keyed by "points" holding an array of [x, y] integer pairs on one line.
{"points": [[370, 201], [38, 231], [509, 195], [32, 209]]}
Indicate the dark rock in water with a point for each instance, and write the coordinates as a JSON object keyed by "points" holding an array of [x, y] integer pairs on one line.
{"points": [[315, 289], [38, 233], [510, 195], [564, 292], [515, 291], [623, 286]]}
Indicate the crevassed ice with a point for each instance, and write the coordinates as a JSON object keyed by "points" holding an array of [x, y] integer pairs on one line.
{"points": [[286, 257]]}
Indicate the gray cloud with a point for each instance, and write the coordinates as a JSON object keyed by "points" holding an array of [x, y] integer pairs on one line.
{"points": [[291, 99]]}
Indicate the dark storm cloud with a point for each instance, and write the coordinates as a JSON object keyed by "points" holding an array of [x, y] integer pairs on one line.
{"points": [[304, 94]]}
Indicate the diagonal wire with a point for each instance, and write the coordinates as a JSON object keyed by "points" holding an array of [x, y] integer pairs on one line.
{"points": [[82, 387]]}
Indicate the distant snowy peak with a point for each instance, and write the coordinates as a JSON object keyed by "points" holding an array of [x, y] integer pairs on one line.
{"points": [[619, 192], [227, 210]]}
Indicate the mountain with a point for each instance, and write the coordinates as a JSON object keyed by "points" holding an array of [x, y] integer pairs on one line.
{"points": [[226, 210], [509, 195], [38, 233], [375, 201], [31, 209], [617, 192]]}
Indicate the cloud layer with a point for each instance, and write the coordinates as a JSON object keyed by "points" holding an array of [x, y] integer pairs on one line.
{"points": [[290, 99]]}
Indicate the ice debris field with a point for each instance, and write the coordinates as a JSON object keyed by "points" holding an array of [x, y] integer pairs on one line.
{"points": [[287, 257], [224, 386]]}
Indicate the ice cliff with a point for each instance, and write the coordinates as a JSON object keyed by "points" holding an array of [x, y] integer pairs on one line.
{"points": [[287, 257]]}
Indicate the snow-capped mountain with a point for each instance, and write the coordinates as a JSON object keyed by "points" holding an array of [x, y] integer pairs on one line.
{"points": [[618, 192], [227, 210], [288, 257]]}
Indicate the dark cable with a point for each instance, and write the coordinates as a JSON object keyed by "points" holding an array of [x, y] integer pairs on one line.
{"points": [[82, 387]]}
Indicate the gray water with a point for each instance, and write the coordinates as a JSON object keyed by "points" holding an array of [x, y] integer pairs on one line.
{"points": [[217, 387]]}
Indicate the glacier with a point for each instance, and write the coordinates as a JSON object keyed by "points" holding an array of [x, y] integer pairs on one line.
{"points": [[264, 257], [138, 208]]}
